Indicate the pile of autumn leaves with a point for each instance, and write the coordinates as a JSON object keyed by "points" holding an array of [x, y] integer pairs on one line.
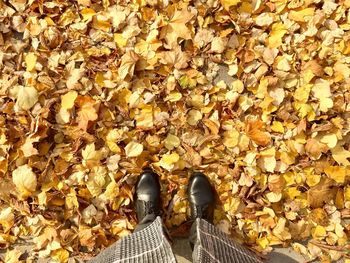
{"points": [[92, 92]]}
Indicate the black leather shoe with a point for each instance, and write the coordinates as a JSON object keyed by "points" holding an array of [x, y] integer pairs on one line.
{"points": [[147, 198], [201, 197]]}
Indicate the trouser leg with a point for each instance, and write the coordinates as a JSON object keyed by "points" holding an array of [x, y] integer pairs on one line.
{"points": [[212, 245], [147, 244]]}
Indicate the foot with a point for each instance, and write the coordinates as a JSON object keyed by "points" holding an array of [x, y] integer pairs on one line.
{"points": [[147, 197], [201, 197]]}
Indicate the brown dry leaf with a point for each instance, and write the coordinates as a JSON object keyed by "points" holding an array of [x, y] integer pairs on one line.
{"points": [[28, 148], [177, 26], [175, 58], [254, 132], [127, 66], [314, 148], [321, 193], [87, 112]]}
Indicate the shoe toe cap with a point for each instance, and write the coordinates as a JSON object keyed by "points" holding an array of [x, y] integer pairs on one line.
{"points": [[200, 190], [148, 186]]}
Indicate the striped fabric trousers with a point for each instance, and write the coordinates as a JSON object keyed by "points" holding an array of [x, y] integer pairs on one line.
{"points": [[151, 245]]}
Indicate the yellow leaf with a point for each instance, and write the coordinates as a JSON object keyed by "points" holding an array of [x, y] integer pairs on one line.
{"points": [[319, 232], [168, 161], [88, 13], [114, 136], [127, 66], [263, 242], [144, 119], [246, 8], [91, 157], [231, 138], [28, 148], [237, 86], [171, 142], [71, 199], [340, 155], [68, 99], [12, 256], [100, 22], [277, 127], [274, 197], [61, 255], [120, 40], [302, 93], [7, 218], [276, 35], [228, 3], [347, 193], [87, 111], [261, 92], [336, 173], [133, 149], [193, 117], [300, 15], [330, 140], [25, 180], [313, 179], [267, 163], [322, 91], [96, 180], [26, 97], [177, 27], [218, 45], [174, 96], [30, 60]]}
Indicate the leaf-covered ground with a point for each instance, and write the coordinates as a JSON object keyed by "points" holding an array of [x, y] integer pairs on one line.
{"points": [[92, 91]]}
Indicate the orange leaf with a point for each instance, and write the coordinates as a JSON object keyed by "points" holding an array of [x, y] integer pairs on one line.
{"points": [[255, 133]]}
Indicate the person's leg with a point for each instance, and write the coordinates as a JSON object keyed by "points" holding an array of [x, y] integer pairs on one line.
{"points": [[212, 245], [209, 244], [148, 243]]}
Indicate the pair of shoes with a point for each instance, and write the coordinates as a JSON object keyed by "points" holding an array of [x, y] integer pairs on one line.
{"points": [[200, 194]]}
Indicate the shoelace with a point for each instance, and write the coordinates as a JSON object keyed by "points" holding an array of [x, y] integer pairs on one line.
{"points": [[150, 208], [199, 211]]}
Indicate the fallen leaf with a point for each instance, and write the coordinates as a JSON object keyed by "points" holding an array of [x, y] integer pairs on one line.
{"points": [[254, 132], [25, 180], [168, 160], [320, 194], [276, 35], [228, 3], [68, 99], [26, 97], [133, 149], [336, 173], [12, 256], [171, 142], [87, 112], [30, 60], [127, 66], [340, 155], [177, 27]]}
